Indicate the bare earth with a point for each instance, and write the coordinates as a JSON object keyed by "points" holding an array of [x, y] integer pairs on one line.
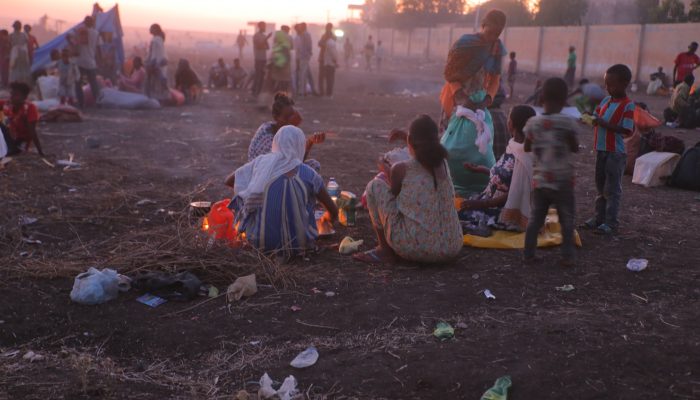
{"points": [[618, 335]]}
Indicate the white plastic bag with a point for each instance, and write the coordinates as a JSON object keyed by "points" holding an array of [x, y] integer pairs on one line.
{"points": [[653, 168], [48, 87], [113, 98], [95, 286]]}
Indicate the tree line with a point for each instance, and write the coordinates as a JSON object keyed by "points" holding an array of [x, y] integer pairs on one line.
{"points": [[407, 14]]}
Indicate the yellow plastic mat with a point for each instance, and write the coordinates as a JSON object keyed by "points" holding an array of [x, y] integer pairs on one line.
{"points": [[516, 240]]}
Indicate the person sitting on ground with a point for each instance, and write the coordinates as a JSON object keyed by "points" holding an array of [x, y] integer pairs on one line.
{"points": [[283, 113], [683, 105], [590, 95], [136, 81], [658, 83], [552, 139], [275, 197], [238, 75], [412, 210], [218, 75], [21, 116], [187, 81], [485, 208]]}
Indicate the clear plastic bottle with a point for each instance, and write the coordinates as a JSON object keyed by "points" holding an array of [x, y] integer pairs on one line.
{"points": [[333, 189]]}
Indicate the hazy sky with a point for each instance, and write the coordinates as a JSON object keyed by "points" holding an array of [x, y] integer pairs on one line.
{"points": [[204, 15]]}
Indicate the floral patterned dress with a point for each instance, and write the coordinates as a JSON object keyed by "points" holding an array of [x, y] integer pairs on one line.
{"points": [[499, 184], [421, 223]]}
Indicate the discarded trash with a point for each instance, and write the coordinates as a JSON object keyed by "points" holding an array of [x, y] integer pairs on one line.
{"points": [[349, 245], [180, 286], [144, 202], [565, 288], [242, 395], [287, 390], [96, 287], [186, 114], [489, 295], [306, 358], [213, 291], [295, 308], [316, 121], [53, 209], [151, 300], [444, 331], [475, 276], [243, 286], [315, 291], [25, 220], [69, 163], [32, 356], [637, 264], [31, 241], [499, 390], [357, 115], [330, 294], [461, 325]]}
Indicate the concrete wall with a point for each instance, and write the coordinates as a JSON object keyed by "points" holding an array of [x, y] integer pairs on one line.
{"points": [[544, 50]]}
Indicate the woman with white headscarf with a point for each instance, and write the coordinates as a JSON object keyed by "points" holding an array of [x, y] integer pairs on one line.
{"points": [[275, 196]]}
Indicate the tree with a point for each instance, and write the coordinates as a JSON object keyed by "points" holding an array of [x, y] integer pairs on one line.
{"points": [[649, 11], [561, 12], [694, 12], [379, 13], [672, 11], [516, 11]]}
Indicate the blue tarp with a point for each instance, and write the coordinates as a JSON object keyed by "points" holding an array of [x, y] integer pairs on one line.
{"points": [[105, 22]]}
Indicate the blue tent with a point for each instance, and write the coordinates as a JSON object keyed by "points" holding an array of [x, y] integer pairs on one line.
{"points": [[104, 22]]}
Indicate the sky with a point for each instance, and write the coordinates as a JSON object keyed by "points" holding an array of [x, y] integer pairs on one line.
{"points": [[195, 15]]}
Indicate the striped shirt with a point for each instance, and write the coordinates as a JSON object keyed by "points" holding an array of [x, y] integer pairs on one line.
{"points": [[618, 112]]}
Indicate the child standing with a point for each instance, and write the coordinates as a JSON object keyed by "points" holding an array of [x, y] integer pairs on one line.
{"points": [[552, 138], [21, 117], [614, 121], [512, 72], [68, 75]]}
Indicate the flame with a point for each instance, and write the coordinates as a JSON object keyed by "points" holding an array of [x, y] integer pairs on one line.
{"points": [[205, 224]]}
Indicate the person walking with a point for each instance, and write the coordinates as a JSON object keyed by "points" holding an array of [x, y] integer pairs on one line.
{"points": [[369, 53], [570, 74], [88, 39], [304, 51], [241, 42], [19, 55], [322, 57], [330, 63]]}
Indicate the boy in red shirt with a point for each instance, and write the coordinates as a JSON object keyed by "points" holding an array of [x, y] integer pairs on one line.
{"points": [[19, 122], [685, 64]]}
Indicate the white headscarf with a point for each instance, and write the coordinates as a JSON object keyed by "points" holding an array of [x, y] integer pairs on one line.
{"points": [[288, 147]]}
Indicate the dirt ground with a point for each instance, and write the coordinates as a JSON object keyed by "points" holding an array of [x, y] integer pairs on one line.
{"points": [[617, 335]]}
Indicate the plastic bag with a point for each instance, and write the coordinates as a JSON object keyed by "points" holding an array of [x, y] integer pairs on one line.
{"points": [[653, 168], [244, 286], [112, 98], [96, 287]]}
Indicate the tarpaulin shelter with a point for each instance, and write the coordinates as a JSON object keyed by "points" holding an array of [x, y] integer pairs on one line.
{"points": [[105, 22]]}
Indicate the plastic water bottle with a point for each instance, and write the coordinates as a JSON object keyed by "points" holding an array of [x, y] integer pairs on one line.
{"points": [[333, 188]]}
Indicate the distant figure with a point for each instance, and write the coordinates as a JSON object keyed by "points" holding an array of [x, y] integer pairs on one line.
{"points": [[33, 43], [685, 63], [87, 41], [369, 53], [349, 52], [303, 46], [590, 95], [330, 63], [281, 65], [136, 81], [322, 57], [218, 75], [68, 75], [157, 66], [4, 58], [260, 47], [241, 42], [570, 67], [238, 75], [658, 83], [379, 55], [187, 81], [683, 105], [19, 55], [512, 73]]}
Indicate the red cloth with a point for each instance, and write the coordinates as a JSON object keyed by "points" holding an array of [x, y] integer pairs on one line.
{"points": [[685, 63], [18, 121]]}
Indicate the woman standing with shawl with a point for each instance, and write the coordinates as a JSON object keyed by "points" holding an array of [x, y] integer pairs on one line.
{"points": [[20, 68], [157, 66], [281, 68], [472, 76], [275, 197]]}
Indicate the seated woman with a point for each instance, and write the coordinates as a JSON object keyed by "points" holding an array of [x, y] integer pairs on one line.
{"points": [[413, 210], [136, 81], [187, 81], [283, 113], [275, 197], [512, 171]]}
